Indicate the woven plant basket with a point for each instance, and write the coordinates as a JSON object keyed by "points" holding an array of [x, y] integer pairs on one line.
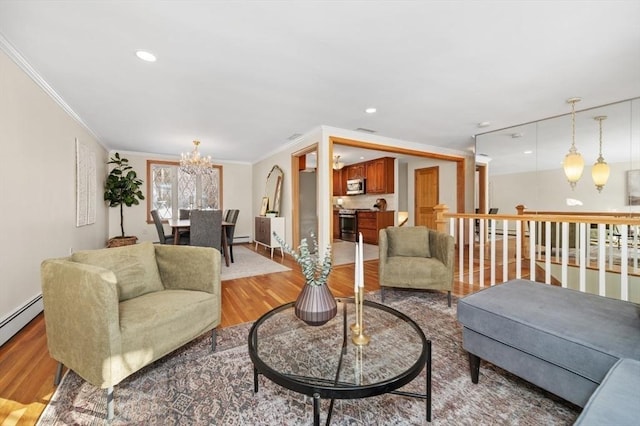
{"points": [[121, 241]]}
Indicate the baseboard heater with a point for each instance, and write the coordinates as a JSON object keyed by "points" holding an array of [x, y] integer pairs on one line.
{"points": [[241, 240], [21, 317]]}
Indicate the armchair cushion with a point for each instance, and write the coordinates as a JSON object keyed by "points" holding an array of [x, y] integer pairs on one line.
{"points": [[134, 266], [408, 242]]}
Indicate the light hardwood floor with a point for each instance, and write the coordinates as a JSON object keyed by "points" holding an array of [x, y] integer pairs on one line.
{"points": [[27, 371]]}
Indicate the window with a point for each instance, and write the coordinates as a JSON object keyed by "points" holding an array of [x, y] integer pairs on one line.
{"points": [[170, 189]]}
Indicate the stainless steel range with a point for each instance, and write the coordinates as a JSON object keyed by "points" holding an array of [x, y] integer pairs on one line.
{"points": [[348, 224]]}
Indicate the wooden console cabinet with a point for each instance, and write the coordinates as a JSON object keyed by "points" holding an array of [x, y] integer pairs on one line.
{"points": [[264, 229], [371, 222]]}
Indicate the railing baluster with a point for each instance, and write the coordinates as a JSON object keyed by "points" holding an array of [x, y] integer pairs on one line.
{"points": [[635, 243], [624, 263], [518, 249], [471, 250], [505, 250], [583, 263], [461, 249], [565, 253], [601, 258], [492, 239], [547, 252], [481, 251], [532, 250]]}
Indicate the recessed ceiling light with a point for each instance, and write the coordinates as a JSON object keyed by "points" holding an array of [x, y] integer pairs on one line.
{"points": [[370, 110], [516, 135], [146, 56], [484, 124], [528, 151]]}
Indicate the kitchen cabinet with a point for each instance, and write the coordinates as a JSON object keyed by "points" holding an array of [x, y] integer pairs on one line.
{"points": [[338, 187], [380, 176], [371, 222], [356, 171], [336, 225], [264, 229]]}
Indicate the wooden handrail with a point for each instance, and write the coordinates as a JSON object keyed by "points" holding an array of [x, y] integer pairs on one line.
{"points": [[587, 218]]}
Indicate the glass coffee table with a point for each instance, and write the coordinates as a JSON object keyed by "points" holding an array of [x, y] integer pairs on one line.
{"points": [[322, 361]]}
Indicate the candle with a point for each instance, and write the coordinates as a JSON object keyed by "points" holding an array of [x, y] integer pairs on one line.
{"points": [[361, 258], [357, 273]]}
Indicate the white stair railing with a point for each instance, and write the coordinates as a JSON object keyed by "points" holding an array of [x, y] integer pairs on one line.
{"points": [[582, 252]]}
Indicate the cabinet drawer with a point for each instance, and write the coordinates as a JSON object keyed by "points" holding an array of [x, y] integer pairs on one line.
{"points": [[367, 223]]}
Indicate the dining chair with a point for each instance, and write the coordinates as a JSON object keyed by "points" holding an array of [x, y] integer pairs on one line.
{"points": [[184, 214], [232, 217], [206, 229], [164, 238]]}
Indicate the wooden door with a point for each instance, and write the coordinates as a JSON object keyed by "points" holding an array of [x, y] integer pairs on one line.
{"points": [[426, 196]]}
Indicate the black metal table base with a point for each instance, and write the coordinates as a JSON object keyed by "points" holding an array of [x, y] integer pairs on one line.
{"points": [[316, 396], [332, 389]]}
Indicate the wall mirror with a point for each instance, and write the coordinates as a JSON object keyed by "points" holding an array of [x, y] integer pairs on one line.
{"points": [[273, 189], [524, 163]]}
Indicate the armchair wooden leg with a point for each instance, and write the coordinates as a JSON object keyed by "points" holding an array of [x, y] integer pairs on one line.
{"points": [[231, 252], [58, 377], [110, 409], [449, 298], [213, 339]]}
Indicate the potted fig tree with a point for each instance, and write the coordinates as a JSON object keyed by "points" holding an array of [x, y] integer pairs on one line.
{"points": [[122, 188]]}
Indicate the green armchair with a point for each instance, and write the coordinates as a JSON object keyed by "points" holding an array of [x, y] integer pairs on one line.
{"points": [[416, 258], [110, 312]]}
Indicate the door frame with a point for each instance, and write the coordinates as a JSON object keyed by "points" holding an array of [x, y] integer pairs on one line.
{"points": [[297, 159]]}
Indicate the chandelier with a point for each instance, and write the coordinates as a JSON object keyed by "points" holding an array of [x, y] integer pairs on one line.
{"points": [[573, 164], [337, 164], [600, 170], [195, 164]]}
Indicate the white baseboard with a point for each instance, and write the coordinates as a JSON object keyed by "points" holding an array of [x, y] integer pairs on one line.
{"points": [[21, 317]]}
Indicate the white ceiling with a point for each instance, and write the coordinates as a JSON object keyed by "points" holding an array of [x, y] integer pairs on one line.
{"points": [[244, 76]]}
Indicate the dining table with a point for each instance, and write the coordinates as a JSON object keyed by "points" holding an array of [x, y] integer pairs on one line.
{"points": [[178, 225]]}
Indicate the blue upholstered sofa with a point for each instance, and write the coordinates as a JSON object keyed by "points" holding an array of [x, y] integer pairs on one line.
{"points": [[573, 344]]}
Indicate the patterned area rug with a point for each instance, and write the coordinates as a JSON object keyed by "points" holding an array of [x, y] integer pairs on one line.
{"points": [[196, 386], [247, 263]]}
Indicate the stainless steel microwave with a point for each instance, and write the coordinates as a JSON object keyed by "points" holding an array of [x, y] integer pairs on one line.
{"points": [[355, 186]]}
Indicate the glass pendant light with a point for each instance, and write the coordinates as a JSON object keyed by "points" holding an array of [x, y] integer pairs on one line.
{"points": [[573, 164], [600, 170]]}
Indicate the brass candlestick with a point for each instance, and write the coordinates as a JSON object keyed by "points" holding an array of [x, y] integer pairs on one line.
{"points": [[355, 327], [360, 338]]}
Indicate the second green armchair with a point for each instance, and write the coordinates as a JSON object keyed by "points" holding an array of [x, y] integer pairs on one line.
{"points": [[415, 257]]}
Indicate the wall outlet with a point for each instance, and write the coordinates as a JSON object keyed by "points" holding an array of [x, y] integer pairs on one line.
{"points": [[70, 250]]}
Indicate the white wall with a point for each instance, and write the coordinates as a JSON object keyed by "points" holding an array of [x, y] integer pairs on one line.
{"points": [[236, 194], [282, 158], [37, 195]]}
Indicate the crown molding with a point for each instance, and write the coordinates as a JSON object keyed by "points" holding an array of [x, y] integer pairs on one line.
{"points": [[13, 53]]}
